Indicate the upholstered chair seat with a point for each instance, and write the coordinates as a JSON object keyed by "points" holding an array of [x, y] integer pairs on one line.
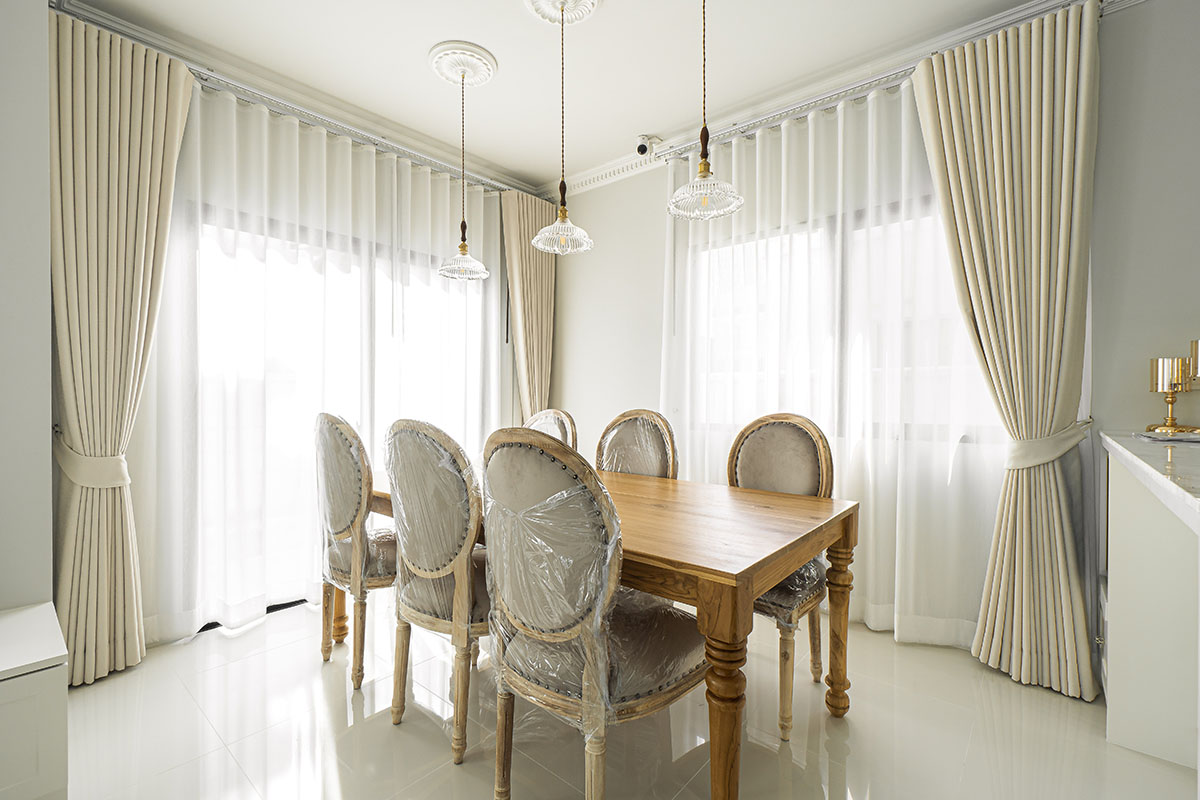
{"points": [[564, 635], [797, 590], [434, 597], [789, 454], [381, 554], [652, 647], [356, 559], [554, 422], [638, 442], [442, 582]]}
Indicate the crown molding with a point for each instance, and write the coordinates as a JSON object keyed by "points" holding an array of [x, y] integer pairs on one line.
{"points": [[1112, 6], [219, 68], [821, 90], [615, 170]]}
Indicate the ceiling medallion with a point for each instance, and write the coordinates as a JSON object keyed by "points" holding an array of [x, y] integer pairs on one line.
{"points": [[462, 62], [568, 11]]}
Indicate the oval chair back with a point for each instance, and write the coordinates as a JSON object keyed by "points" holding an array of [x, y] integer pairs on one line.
{"points": [[638, 442], [343, 495], [782, 453], [555, 422], [554, 538], [436, 507]]}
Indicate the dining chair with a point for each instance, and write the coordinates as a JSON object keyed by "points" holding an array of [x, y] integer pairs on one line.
{"points": [[564, 636], [639, 442], [356, 559], [555, 422], [787, 453], [442, 586]]}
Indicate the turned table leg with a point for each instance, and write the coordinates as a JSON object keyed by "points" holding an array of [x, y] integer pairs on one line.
{"points": [[840, 582], [726, 697], [341, 622], [724, 617]]}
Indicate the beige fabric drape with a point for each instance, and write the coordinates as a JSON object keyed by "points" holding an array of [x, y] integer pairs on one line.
{"points": [[1010, 128], [117, 113], [531, 292]]}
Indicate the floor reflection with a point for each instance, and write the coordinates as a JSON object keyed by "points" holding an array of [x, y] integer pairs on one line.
{"points": [[260, 715]]}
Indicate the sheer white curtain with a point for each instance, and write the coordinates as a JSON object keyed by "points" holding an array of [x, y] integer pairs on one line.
{"points": [[829, 295], [301, 277]]}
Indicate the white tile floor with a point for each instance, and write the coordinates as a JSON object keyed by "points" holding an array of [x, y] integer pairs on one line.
{"points": [[256, 713]]}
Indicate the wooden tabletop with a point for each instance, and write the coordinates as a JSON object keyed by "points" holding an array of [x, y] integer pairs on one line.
{"points": [[724, 534]]}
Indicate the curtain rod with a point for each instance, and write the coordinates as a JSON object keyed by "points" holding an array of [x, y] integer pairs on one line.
{"points": [[883, 80], [213, 79]]}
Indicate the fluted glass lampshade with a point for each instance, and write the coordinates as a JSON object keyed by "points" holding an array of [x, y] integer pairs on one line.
{"points": [[704, 198], [562, 237], [463, 267]]}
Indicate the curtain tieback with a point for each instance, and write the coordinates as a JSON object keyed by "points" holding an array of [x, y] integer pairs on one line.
{"points": [[97, 472], [1024, 453]]}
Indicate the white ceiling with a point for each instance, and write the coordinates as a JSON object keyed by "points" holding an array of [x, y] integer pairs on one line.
{"points": [[632, 68]]}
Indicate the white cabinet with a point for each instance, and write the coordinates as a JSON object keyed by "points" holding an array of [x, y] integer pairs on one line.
{"points": [[33, 704], [1151, 602]]}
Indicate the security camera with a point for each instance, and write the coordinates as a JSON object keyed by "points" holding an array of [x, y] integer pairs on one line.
{"points": [[646, 144]]}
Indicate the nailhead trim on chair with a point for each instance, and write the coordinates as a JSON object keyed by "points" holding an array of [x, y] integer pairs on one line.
{"points": [[594, 513], [466, 503], [357, 472]]}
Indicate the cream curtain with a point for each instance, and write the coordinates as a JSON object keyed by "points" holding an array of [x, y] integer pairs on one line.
{"points": [[116, 120], [1010, 128], [531, 289]]}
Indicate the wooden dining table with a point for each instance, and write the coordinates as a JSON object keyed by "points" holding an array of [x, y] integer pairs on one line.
{"points": [[718, 548]]}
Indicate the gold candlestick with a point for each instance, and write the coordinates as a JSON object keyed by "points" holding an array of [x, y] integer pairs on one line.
{"points": [[1170, 376]]}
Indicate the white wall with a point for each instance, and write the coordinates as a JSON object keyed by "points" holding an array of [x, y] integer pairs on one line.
{"points": [[608, 305], [25, 471], [1145, 267]]}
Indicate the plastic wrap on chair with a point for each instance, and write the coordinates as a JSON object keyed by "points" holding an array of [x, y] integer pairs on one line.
{"points": [[563, 634], [552, 567], [783, 599], [435, 509], [343, 490], [554, 422], [636, 445]]}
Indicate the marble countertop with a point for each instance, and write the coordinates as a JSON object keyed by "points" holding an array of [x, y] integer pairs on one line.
{"points": [[1170, 471]]}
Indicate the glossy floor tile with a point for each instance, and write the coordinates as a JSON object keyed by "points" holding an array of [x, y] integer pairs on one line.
{"points": [[255, 713]]}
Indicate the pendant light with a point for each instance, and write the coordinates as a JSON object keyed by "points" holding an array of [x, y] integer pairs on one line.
{"points": [[562, 237], [466, 64], [705, 197]]}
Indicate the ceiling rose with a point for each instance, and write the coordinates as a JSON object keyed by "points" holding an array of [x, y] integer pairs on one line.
{"points": [[462, 62], [571, 10]]}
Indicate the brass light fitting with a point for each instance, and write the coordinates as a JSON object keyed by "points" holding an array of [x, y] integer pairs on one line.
{"points": [[1171, 376]]}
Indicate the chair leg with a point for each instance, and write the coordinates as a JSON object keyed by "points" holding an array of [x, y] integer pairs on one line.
{"points": [[360, 641], [474, 654], [504, 742], [814, 643], [462, 691], [326, 621], [787, 656], [593, 778], [400, 669], [340, 623]]}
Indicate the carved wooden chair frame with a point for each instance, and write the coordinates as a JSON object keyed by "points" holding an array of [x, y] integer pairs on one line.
{"points": [[589, 709], [661, 425], [812, 607], [464, 634], [568, 422], [353, 581]]}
